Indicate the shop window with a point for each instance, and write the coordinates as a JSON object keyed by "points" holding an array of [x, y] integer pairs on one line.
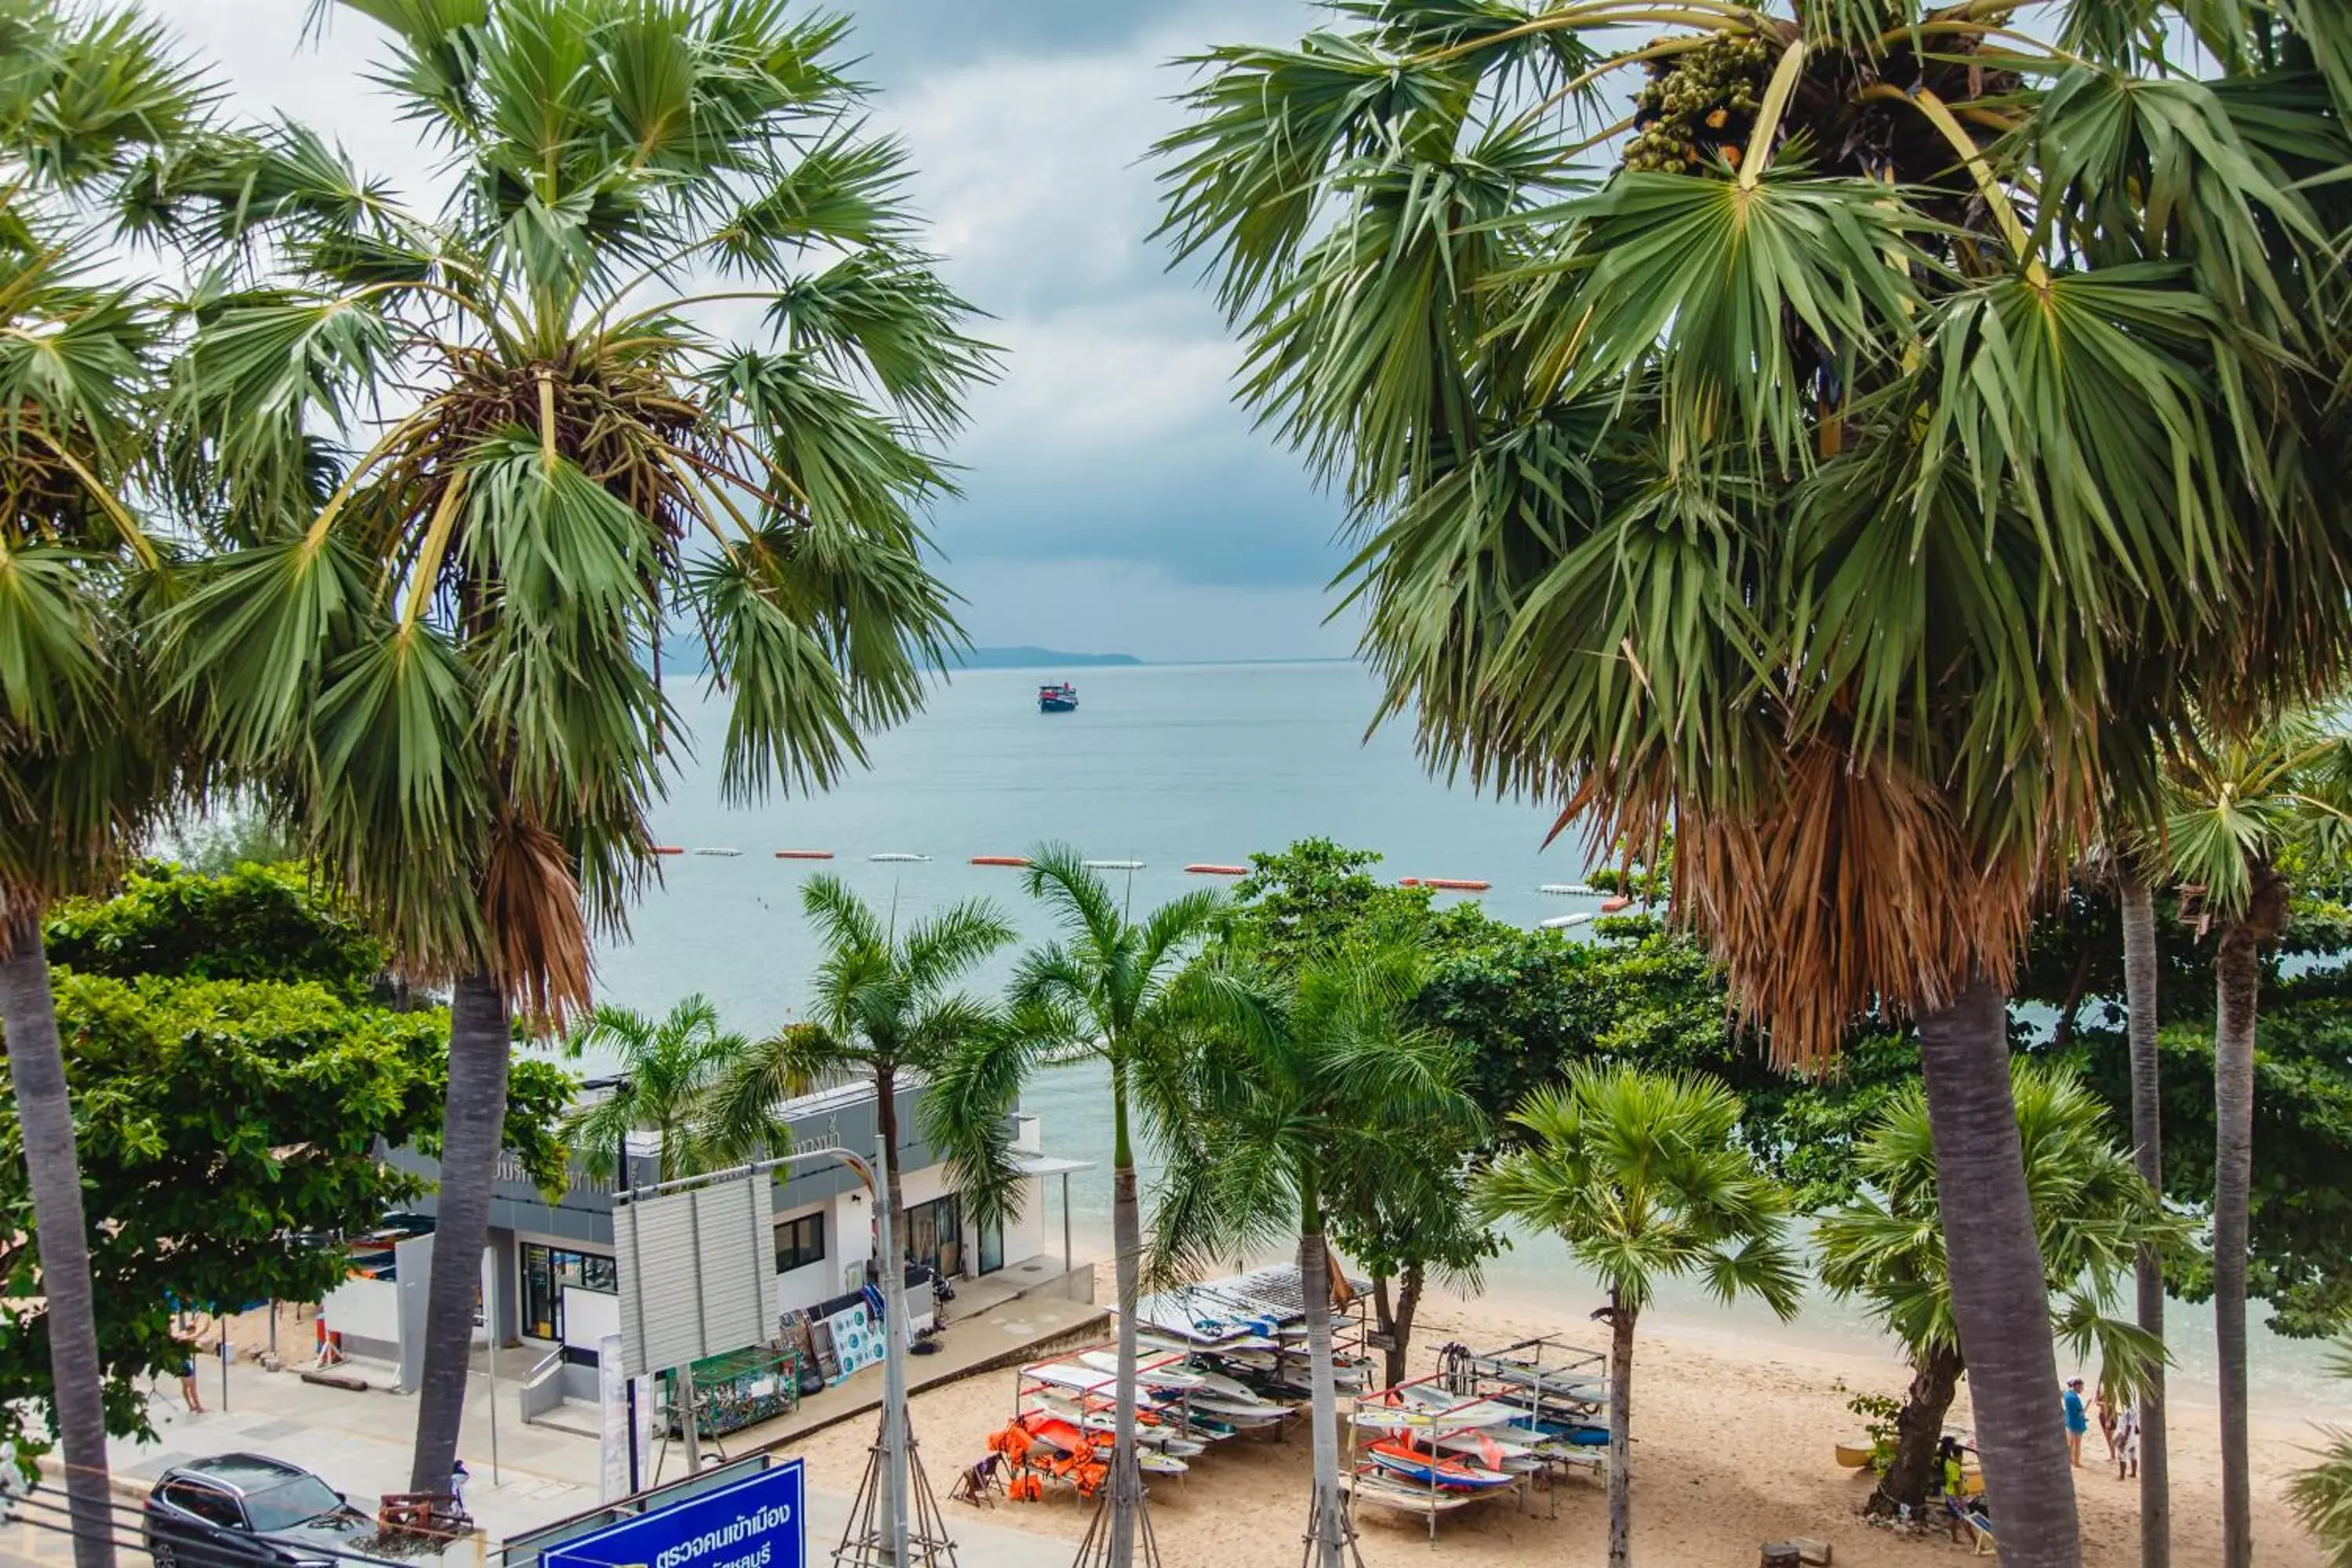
{"points": [[546, 1270]]}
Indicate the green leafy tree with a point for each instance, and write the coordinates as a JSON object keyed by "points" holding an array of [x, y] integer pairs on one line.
{"points": [[669, 1067], [1121, 990], [425, 656], [886, 1005], [247, 922], [224, 1127], [1726, 422], [1885, 1245], [91, 100], [1644, 1177], [1319, 1089]]}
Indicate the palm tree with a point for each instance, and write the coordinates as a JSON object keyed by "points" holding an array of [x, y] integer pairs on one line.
{"points": [[1732, 455], [1316, 1088], [2321, 1494], [88, 100], [431, 653], [1643, 1176], [2238, 813], [2094, 1213], [886, 1007], [2136, 900], [1120, 989], [668, 1068]]}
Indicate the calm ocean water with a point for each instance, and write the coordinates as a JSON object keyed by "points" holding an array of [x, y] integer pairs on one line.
{"points": [[1165, 765]]}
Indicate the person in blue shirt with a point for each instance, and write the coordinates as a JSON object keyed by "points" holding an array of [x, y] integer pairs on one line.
{"points": [[2078, 1420]]}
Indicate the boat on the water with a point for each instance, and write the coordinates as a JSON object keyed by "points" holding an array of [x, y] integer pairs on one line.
{"points": [[1057, 697]]}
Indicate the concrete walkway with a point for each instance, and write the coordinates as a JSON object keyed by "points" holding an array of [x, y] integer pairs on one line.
{"points": [[359, 1440]]}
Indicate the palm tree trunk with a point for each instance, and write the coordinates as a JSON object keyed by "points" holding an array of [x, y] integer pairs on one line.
{"points": [[1325, 1509], [2147, 1153], [886, 1120], [2237, 969], [1126, 1243], [1918, 1429], [37, 1075], [1396, 1320], [1621, 1432], [473, 1124], [1999, 1294]]}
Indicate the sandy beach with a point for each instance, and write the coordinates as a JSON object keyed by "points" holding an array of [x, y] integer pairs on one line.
{"points": [[1732, 1438]]}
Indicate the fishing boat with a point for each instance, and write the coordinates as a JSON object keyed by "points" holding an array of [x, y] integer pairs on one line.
{"points": [[1404, 1460], [1057, 697]]}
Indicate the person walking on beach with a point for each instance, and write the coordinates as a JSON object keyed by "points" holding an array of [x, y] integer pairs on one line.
{"points": [[2107, 1413], [2128, 1443], [2078, 1420]]}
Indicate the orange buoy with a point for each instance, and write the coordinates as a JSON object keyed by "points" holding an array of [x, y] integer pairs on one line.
{"points": [[1205, 869], [1610, 905], [999, 860], [669, 849], [804, 854], [1454, 884]]}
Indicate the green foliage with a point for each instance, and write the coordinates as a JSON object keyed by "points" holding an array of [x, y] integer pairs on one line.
{"points": [[2321, 1493], [669, 1067], [1877, 1411], [429, 665], [247, 922], [228, 1130], [1642, 1175], [2091, 1210]]}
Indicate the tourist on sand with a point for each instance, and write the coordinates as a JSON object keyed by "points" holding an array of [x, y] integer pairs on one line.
{"points": [[2078, 1420], [1950, 1467], [188, 1395], [457, 1474], [2106, 1414], [2128, 1443]]}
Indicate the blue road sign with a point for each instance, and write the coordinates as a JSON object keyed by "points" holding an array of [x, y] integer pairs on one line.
{"points": [[757, 1523]]}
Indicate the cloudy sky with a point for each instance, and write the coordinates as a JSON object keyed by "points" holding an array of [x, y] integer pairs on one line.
{"points": [[1114, 498]]}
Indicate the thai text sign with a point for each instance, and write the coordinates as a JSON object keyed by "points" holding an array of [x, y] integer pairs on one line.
{"points": [[757, 1523]]}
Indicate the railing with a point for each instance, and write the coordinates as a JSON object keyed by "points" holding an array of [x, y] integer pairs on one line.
{"points": [[542, 1386]]}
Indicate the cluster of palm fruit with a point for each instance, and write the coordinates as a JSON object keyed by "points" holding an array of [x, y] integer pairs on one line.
{"points": [[1699, 103]]}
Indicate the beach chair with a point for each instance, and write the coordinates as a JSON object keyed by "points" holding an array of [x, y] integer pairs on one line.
{"points": [[978, 1484], [1979, 1528]]}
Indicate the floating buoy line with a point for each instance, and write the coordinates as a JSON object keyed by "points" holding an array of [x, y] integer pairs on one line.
{"points": [[1609, 905], [1114, 865], [896, 858]]}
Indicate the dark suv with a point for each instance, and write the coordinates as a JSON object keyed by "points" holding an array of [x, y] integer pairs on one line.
{"points": [[235, 1510]]}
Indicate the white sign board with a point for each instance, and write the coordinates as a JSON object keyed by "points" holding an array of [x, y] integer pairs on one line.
{"points": [[612, 1406], [698, 1272]]}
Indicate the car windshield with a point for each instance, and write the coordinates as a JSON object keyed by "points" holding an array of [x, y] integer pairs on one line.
{"points": [[283, 1506]]}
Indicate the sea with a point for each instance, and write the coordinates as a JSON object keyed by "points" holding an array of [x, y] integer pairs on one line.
{"points": [[1165, 765]]}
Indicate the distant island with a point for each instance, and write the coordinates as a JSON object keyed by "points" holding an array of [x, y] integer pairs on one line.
{"points": [[686, 656], [1037, 658]]}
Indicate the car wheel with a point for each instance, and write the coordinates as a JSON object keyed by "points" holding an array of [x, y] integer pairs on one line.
{"points": [[161, 1552]]}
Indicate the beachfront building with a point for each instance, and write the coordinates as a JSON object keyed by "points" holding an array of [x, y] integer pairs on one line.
{"points": [[551, 1282]]}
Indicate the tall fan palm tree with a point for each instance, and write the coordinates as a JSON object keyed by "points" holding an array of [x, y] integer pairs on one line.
{"points": [[2093, 1213], [1644, 1177], [886, 1006], [669, 1067], [2240, 814], [1325, 1082], [1120, 988], [437, 667], [1729, 424], [90, 103]]}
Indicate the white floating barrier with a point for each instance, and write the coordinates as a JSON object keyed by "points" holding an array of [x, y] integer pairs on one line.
{"points": [[729, 854], [1562, 922], [1570, 889], [898, 858], [1115, 864]]}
